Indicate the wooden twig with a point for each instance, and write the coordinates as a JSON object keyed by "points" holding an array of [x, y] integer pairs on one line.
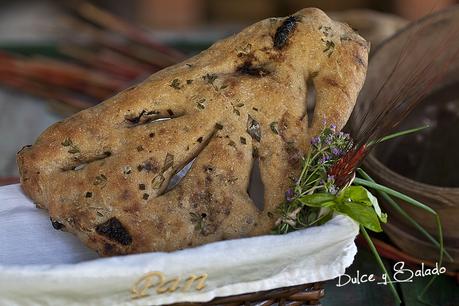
{"points": [[117, 25]]}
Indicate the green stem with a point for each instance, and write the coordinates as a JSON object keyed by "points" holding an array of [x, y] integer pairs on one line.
{"points": [[398, 134], [325, 216], [380, 263], [312, 189], [311, 174], [404, 214], [415, 203], [394, 193], [306, 162]]}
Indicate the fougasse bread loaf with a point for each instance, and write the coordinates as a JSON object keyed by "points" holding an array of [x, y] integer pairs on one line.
{"points": [[103, 173]]}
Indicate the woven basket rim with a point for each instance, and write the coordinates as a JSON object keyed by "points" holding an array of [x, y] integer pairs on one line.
{"points": [[304, 294]]}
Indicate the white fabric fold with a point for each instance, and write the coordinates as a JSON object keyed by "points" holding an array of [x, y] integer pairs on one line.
{"points": [[42, 266]]}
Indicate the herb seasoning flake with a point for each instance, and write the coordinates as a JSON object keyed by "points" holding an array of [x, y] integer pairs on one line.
{"points": [[329, 47], [74, 150], [67, 142], [168, 162], [101, 180], [127, 170], [199, 221], [157, 181], [210, 78], [253, 128], [175, 84], [201, 104], [274, 127]]}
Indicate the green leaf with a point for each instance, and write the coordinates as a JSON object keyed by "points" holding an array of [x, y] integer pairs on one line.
{"points": [[318, 200], [329, 204], [364, 215], [358, 194], [374, 201]]}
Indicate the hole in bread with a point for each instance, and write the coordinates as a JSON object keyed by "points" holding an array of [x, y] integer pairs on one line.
{"points": [[82, 163], [310, 100], [179, 175], [256, 188], [145, 117], [183, 169]]}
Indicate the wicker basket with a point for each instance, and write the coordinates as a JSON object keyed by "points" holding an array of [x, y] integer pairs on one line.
{"points": [[308, 294], [8, 180]]}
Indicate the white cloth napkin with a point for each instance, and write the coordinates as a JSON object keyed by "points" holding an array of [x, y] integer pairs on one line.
{"points": [[42, 266]]}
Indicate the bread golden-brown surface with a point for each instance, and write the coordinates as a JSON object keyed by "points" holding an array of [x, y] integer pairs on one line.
{"points": [[102, 173]]}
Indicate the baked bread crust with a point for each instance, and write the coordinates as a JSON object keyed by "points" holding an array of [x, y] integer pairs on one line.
{"points": [[102, 173]]}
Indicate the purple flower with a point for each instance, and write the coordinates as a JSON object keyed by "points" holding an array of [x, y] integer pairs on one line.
{"points": [[344, 135], [289, 195], [336, 151], [315, 140], [330, 178], [333, 127], [325, 158], [329, 140]]}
